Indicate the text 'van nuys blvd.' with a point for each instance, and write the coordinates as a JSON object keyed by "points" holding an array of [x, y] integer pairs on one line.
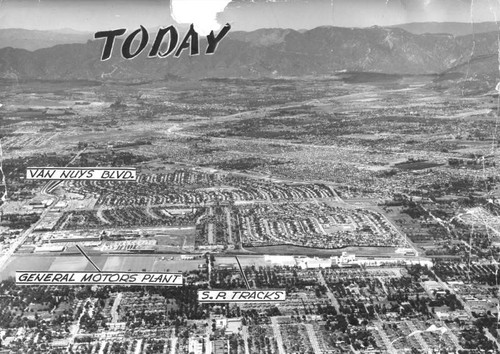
{"points": [[98, 278], [81, 173]]}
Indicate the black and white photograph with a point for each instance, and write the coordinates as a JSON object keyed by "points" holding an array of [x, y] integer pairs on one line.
{"points": [[249, 176]]}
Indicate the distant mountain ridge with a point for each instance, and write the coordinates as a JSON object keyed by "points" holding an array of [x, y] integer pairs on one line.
{"points": [[266, 52], [33, 39], [454, 28]]}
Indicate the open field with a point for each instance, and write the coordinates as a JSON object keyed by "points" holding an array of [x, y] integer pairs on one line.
{"points": [[30, 262], [121, 263], [297, 250]]}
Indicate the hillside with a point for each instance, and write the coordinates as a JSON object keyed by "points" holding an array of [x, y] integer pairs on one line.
{"points": [[267, 52]]}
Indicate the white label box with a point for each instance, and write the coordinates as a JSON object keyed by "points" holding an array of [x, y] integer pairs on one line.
{"points": [[81, 173], [98, 278], [208, 296]]}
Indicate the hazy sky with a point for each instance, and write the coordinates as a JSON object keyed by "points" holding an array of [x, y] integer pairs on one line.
{"points": [[93, 15]]}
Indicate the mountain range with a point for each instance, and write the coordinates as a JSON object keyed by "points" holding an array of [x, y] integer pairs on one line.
{"points": [[454, 28], [33, 40], [265, 52]]}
